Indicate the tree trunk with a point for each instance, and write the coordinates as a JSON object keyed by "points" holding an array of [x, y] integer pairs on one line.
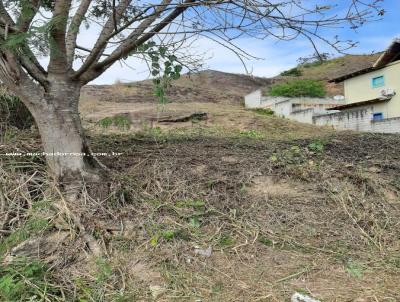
{"points": [[67, 152]]}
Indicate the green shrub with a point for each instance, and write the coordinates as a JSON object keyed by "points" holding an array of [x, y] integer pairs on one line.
{"points": [[264, 111], [13, 112], [122, 122], [299, 88], [316, 146], [313, 64], [27, 280], [294, 72]]}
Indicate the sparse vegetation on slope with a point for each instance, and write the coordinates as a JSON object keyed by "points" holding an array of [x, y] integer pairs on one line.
{"points": [[299, 88], [221, 87], [212, 216], [294, 72]]}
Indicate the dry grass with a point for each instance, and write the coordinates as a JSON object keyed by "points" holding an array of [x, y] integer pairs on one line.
{"points": [[273, 229], [223, 118], [211, 86]]}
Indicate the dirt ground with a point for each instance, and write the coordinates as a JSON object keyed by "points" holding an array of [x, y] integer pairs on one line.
{"points": [[196, 217]]}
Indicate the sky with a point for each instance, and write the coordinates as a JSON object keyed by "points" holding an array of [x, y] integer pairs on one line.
{"points": [[272, 56]]}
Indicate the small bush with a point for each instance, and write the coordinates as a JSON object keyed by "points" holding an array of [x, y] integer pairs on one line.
{"points": [[316, 146], [299, 88], [264, 111], [294, 72], [25, 280], [120, 121]]}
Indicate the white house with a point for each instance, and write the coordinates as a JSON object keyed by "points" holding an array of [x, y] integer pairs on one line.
{"points": [[301, 109]]}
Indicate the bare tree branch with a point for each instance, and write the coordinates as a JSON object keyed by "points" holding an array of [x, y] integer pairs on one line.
{"points": [[104, 36], [58, 54], [134, 40], [4, 15], [25, 55], [73, 30]]}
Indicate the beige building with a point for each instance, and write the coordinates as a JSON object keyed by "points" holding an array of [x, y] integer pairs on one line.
{"points": [[371, 101]]}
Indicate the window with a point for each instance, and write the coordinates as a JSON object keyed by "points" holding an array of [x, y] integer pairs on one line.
{"points": [[377, 116], [378, 82]]}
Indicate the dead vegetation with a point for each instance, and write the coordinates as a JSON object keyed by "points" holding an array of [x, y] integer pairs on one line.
{"points": [[193, 216], [210, 86]]}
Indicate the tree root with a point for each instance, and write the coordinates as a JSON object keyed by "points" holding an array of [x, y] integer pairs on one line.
{"points": [[91, 242]]}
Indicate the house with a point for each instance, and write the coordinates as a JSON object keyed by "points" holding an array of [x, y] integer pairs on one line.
{"points": [[301, 109], [371, 101]]}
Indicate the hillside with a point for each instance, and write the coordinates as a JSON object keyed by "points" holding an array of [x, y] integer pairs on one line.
{"points": [[221, 87], [205, 86], [219, 94], [331, 69]]}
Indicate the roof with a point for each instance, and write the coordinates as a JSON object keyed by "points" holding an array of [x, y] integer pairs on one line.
{"points": [[356, 104], [391, 54]]}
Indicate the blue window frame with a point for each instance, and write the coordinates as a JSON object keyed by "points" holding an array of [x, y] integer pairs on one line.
{"points": [[377, 116], [378, 82]]}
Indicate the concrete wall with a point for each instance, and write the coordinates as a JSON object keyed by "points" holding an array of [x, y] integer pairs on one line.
{"points": [[257, 100], [359, 119], [390, 125], [282, 108], [313, 111], [300, 109], [303, 116], [360, 89], [253, 100]]}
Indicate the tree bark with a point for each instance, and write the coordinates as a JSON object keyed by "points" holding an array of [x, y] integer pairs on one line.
{"points": [[67, 152]]}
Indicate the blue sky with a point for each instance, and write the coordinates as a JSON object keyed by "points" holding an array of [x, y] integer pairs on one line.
{"points": [[275, 56]]}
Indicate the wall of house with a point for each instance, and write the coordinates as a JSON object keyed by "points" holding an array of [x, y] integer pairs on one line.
{"points": [[390, 125], [282, 108], [257, 100], [359, 119], [359, 89], [303, 116], [253, 100]]}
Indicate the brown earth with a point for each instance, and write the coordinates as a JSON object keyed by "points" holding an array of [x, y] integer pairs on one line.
{"points": [[280, 217]]}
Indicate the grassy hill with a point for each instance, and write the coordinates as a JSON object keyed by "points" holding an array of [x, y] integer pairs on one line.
{"points": [[205, 86], [221, 87], [219, 94], [332, 68]]}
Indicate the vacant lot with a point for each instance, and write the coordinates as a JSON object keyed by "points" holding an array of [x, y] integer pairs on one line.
{"points": [[242, 207]]}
